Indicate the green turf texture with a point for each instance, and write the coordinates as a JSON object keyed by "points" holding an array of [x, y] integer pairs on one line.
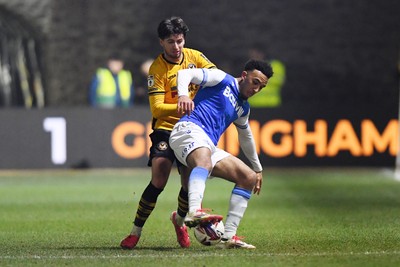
{"points": [[303, 217]]}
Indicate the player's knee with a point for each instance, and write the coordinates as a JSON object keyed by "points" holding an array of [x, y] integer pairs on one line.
{"points": [[159, 183], [250, 181], [200, 162]]}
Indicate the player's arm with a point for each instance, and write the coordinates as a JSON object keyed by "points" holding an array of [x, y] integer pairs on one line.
{"points": [[159, 108], [204, 62], [202, 77], [248, 146], [156, 91]]}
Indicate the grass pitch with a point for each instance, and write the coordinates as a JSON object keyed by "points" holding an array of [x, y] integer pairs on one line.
{"points": [[303, 217]]}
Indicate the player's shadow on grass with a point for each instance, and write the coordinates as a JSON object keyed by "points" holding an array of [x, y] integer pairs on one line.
{"points": [[117, 248], [150, 248]]}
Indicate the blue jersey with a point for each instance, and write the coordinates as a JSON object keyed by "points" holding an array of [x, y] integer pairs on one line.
{"points": [[216, 107]]}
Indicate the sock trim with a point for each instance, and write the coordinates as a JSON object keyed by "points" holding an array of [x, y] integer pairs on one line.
{"points": [[242, 192], [199, 173]]}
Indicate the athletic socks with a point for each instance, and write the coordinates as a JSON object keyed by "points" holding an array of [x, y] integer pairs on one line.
{"points": [[183, 207], [237, 206], [197, 186], [136, 230], [146, 205]]}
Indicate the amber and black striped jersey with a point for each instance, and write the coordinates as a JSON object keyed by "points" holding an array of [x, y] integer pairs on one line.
{"points": [[162, 88]]}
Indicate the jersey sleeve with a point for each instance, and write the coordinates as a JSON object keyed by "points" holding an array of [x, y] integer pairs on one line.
{"points": [[159, 108], [247, 143], [204, 62], [156, 89], [202, 77]]}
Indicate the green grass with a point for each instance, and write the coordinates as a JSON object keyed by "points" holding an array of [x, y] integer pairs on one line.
{"points": [[303, 217]]}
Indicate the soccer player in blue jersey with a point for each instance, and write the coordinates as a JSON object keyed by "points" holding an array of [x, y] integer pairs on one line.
{"points": [[220, 101]]}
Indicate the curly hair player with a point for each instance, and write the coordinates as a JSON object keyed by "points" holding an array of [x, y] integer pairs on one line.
{"points": [[220, 101]]}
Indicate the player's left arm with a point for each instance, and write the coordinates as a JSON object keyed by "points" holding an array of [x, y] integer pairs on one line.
{"points": [[248, 146], [204, 62]]}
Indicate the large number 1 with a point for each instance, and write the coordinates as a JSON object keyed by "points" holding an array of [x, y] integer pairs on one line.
{"points": [[57, 126]]}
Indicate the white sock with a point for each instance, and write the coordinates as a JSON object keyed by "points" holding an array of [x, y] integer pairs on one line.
{"points": [[237, 206], [179, 220], [197, 186], [136, 230]]}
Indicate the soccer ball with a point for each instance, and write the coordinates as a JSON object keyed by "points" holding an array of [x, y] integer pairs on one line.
{"points": [[209, 234]]}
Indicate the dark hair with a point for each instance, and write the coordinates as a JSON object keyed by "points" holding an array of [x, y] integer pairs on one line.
{"points": [[173, 25], [260, 65], [115, 56]]}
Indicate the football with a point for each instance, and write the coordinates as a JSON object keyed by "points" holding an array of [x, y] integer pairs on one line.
{"points": [[209, 234]]}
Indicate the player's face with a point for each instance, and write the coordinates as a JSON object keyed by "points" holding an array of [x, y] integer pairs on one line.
{"points": [[252, 83], [173, 46]]}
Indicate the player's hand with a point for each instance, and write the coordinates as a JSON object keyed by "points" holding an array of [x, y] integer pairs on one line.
{"points": [[257, 187], [185, 105]]}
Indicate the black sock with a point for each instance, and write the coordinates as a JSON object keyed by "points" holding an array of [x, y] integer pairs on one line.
{"points": [[146, 204]]}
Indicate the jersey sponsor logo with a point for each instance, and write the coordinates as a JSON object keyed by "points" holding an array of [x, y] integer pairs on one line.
{"points": [[193, 88], [172, 76], [187, 149], [228, 93], [150, 81]]}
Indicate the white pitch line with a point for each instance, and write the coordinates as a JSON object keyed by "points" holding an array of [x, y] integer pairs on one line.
{"points": [[118, 256]]}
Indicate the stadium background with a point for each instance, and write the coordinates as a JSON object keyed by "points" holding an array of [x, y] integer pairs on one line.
{"points": [[342, 60]]}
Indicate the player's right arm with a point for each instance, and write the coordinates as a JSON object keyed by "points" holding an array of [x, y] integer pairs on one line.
{"points": [[160, 109], [157, 90], [202, 77]]}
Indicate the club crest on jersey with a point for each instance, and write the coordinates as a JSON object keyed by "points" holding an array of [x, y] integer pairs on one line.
{"points": [[162, 145], [150, 81], [191, 66]]}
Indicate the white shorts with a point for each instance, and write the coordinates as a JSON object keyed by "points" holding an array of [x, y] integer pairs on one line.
{"points": [[187, 136]]}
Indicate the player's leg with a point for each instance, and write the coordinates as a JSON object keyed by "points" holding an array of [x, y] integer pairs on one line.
{"points": [[199, 161], [178, 216], [193, 148], [233, 169], [160, 170], [161, 160], [183, 200]]}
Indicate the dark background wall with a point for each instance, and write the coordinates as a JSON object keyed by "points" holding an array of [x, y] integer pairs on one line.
{"points": [[337, 52]]}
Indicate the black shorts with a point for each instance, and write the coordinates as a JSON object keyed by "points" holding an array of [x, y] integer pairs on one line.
{"points": [[160, 147]]}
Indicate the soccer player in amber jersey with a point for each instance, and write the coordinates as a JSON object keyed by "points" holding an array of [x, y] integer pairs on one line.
{"points": [[163, 98]]}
